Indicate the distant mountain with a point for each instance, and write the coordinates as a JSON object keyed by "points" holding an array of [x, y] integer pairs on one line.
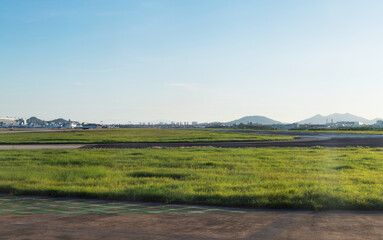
{"points": [[59, 121], [35, 121], [336, 117], [255, 120]]}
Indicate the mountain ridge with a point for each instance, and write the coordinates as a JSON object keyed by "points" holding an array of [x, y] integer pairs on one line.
{"points": [[262, 120], [35, 120], [337, 117], [316, 119]]}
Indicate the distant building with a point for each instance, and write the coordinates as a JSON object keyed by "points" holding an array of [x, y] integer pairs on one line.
{"points": [[348, 124], [70, 124], [7, 121]]}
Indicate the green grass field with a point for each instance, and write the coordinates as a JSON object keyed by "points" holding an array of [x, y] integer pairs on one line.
{"points": [[131, 135], [298, 178]]}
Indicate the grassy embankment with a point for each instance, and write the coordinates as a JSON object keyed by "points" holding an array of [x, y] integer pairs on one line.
{"points": [[131, 135], [300, 178]]}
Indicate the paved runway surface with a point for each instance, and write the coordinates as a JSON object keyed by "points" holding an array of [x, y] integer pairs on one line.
{"points": [[339, 142], [51, 218], [40, 146], [32, 130]]}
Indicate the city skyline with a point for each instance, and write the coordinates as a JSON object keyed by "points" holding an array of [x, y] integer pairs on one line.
{"points": [[146, 61]]}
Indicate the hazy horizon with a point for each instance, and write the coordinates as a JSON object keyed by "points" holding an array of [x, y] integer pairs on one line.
{"points": [[211, 60], [190, 122]]}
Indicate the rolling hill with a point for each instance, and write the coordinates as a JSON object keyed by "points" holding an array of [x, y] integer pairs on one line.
{"points": [[255, 120], [336, 117]]}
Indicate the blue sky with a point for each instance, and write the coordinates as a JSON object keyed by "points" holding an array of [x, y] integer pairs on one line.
{"points": [[191, 60]]}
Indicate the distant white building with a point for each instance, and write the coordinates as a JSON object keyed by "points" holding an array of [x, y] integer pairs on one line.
{"points": [[7, 121], [349, 124], [70, 124]]}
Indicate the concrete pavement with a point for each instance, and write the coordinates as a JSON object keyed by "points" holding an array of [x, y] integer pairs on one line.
{"points": [[41, 146], [65, 218], [262, 225]]}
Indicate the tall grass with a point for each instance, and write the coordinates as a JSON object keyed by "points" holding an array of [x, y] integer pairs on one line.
{"points": [[299, 178]]}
